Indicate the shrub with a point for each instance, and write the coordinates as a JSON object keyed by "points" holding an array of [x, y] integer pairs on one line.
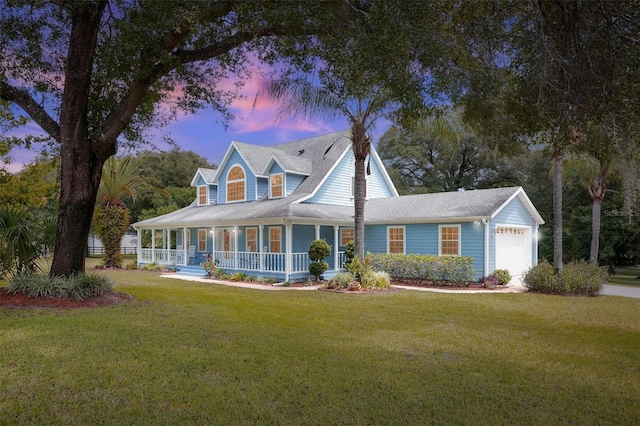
{"points": [[426, 267], [504, 277], [490, 281], [349, 252], [577, 278], [583, 279], [80, 287], [133, 265], [379, 280], [342, 280], [239, 276], [541, 279], [318, 250]]}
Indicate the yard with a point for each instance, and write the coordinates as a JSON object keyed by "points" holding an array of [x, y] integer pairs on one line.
{"points": [[198, 353]]}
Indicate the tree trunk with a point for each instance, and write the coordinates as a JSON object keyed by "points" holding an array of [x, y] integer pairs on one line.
{"points": [[81, 163], [597, 190], [361, 148], [557, 211]]}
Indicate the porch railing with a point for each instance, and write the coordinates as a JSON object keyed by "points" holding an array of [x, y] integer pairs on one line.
{"points": [[249, 261]]}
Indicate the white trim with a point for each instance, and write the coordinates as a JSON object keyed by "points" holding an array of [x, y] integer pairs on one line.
{"points": [[246, 238], [206, 195], [404, 237], [383, 170], [282, 185], [206, 247], [342, 228], [226, 192], [324, 179], [453, 225], [279, 228], [526, 202]]}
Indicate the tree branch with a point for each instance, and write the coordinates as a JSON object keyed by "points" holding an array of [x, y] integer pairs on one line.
{"points": [[33, 109]]}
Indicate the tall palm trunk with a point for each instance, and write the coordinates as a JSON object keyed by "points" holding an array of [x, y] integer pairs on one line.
{"points": [[597, 189], [557, 210], [361, 147]]}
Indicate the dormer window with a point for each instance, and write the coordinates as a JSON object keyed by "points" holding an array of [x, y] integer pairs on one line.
{"points": [[202, 195], [236, 184], [275, 185]]}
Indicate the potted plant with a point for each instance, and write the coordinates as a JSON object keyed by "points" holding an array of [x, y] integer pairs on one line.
{"points": [[209, 265]]}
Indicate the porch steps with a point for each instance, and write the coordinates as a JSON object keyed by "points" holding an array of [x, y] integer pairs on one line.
{"points": [[191, 271]]}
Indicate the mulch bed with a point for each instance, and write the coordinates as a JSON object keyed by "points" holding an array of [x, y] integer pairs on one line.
{"points": [[10, 300], [444, 285]]}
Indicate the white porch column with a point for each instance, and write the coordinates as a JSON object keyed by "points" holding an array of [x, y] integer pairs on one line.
{"points": [[153, 246], [260, 245], [288, 258], [185, 247], [317, 232], [213, 243], [235, 246], [336, 247], [486, 246], [138, 246]]}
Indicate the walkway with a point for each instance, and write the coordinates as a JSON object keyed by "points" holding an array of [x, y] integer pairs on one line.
{"points": [[620, 290]]}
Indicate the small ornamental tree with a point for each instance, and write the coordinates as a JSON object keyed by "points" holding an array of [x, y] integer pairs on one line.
{"points": [[319, 250]]}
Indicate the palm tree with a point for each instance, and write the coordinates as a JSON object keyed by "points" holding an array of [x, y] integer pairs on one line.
{"points": [[121, 180], [21, 241], [301, 97]]}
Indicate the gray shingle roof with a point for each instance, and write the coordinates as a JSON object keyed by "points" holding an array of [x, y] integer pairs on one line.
{"points": [[423, 207]]}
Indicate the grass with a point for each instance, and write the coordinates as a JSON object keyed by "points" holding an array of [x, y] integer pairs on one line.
{"points": [[198, 353], [629, 276]]}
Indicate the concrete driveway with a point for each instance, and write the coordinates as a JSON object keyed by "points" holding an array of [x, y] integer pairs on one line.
{"points": [[620, 290]]}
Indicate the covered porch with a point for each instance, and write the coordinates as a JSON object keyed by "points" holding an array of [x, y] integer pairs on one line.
{"points": [[267, 250]]}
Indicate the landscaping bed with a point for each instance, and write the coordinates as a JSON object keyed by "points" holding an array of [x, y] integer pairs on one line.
{"points": [[19, 300]]}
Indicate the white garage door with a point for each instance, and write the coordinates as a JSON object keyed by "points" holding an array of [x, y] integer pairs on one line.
{"points": [[513, 249]]}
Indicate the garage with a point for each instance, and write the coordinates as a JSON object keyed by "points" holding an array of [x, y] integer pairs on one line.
{"points": [[513, 249]]}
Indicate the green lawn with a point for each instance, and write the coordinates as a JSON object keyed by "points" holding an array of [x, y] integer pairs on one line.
{"points": [[199, 353], [629, 276]]}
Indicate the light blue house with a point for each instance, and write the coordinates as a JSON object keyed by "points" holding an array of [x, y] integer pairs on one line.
{"points": [[260, 210]]}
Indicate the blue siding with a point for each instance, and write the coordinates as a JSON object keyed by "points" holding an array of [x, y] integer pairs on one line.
{"points": [[514, 213], [213, 194], [421, 238], [201, 181], [473, 245], [337, 187], [292, 181], [263, 187], [302, 237], [377, 186], [424, 239], [375, 238], [250, 182]]}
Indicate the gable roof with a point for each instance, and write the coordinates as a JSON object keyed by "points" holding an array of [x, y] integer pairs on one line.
{"points": [[474, 204], [208, 175]]}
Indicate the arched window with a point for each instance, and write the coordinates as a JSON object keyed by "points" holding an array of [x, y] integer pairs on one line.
{"points": [[235, 184]]}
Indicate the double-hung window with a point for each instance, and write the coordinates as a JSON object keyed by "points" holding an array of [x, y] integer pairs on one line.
{"points": [[449, 240], [202, 240], [202, 195], [395, 239], [276, 185], [275, 239], [346, 235]]}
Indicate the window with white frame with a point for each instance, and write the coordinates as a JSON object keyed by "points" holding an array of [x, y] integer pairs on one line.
{"points": [[395, 239], [202, 195], [346, 235], [236, 184], [252, 239], [202, 240], [275, 239], [449, 240], [276, 185]]}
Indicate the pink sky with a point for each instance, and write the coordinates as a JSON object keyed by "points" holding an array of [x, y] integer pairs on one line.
{"points": [[202, 133]]}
